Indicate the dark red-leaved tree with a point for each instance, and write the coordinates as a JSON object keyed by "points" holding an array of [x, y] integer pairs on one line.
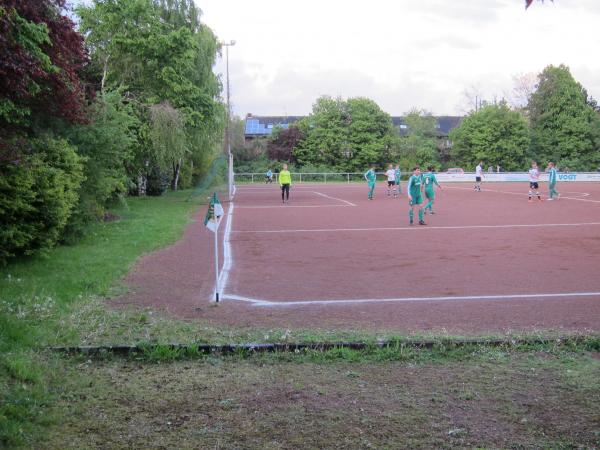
{"points": [[281, 146], [41, 55]]}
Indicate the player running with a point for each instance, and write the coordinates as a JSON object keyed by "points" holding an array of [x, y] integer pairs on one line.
{"points": [[391, 180], [397, 175], [371, 177], [552, 182], [285, 181], [478, 176], [534, 177], [414, 195], [429, 180]]}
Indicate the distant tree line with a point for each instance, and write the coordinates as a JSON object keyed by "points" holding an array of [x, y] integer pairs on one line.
{"points": [[558, 123], [125, 102]]}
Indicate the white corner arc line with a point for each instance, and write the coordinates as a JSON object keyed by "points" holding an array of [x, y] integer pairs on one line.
{"points": [[334, 198], [227, 255], [457, 227], [287, 304]]}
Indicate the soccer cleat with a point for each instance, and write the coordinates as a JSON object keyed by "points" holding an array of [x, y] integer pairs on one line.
{"points": [[422, 222], [431, 212]]}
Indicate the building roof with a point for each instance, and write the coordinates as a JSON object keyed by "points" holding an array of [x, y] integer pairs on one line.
{"points": [[263, 125]]}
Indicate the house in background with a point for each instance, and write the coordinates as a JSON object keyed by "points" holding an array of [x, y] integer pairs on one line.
{"points": [[262, 126]]}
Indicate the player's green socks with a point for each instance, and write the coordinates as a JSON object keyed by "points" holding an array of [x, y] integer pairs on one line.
{"points": [[421, 214], [411, 215]]}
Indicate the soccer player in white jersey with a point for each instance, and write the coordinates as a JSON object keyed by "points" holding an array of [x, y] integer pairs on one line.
{"points": [[391, 180], [478, 176], [534, 178]]}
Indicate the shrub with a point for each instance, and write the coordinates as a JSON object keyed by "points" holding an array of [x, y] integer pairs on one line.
{"points": [[38, 191]]}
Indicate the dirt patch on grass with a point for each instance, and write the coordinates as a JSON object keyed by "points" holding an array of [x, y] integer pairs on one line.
{"points": [[261, 403]]}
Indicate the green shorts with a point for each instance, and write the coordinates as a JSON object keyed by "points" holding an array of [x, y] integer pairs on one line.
{"points": [[430, 194], [416, 199]]}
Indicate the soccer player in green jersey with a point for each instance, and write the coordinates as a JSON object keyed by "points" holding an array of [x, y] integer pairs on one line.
{"points": [[552, 182], [414, 195], [397, 174], [429, 180], [371, 177]]}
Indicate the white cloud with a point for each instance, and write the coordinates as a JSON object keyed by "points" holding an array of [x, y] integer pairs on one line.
{"points": [[402, 54]]}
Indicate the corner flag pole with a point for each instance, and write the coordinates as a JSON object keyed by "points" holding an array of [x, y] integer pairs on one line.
{"points": [[212, 220]]}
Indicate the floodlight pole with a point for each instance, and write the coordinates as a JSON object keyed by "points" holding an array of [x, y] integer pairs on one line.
{"points": [[228, 130]]}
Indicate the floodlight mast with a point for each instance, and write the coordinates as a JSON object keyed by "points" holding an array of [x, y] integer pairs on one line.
{"points": [[228, 44]]}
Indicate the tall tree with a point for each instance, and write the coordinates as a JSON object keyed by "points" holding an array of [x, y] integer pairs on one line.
{"points": [[41, 55], [347, 135], [495, 135], [564, 126], [168, 139], [419, 146], [326, 134], [158, 51], [107, 144], [370, 134]]}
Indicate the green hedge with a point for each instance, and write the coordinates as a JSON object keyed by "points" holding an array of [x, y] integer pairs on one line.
{"points": [[38, 191]]}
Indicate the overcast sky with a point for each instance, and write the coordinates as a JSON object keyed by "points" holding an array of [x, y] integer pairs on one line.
{"points": [[402, 54]]}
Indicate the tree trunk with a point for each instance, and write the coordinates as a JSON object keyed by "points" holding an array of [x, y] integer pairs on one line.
{"points": [[142, 182], [104, 73], [176, 170]]}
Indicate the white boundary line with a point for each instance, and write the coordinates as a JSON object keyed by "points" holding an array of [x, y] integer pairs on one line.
{"points": [[286, 206], [334, 198], [227, 255], [269, 303], [459, 227]]}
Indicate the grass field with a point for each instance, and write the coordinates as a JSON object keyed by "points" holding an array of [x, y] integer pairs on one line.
{"points": [[544, 396], [541, 397]]}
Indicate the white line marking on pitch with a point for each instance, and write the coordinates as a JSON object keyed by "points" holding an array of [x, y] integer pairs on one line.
{"points": [[270, 303], [583, 194], [334, 198], [460, 227], [287, 205], [227, 255]]}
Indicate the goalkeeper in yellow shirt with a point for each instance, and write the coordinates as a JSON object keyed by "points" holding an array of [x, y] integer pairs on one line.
{"points": [[285, 181]]}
